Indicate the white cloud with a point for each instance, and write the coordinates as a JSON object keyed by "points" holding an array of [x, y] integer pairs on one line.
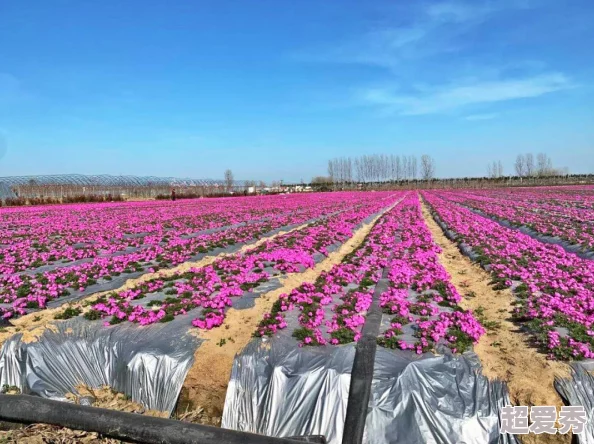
{"points": [[452, 97], [482, 116], [432, 54]]}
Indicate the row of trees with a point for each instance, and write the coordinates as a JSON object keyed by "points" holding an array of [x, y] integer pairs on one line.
{"points": [[527, 165], [380, 168], [495, 169]]}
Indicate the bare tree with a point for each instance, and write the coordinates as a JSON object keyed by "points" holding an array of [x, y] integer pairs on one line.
{"points": [[359, 170], [331, 171], [229, 180], [406, 167], [529, 165], [413, 167], [542, 162], [550, 170], [499, 169], [495, 169], [398, 168], [520, 165], [427, 167]]}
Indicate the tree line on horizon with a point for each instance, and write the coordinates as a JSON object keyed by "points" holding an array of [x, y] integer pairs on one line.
{"points": [[378, 168], [527, 165]]}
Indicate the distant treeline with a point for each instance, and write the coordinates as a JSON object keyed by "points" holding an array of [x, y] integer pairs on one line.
{"points": [[323, 183], [526, 166], [380, 168]]}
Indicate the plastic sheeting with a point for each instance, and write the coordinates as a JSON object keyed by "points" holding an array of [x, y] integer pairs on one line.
{"points": [[579, 390], [279, 389], [147, 363], [433, 399]]}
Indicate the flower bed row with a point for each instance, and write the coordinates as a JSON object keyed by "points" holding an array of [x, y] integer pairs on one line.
{"points": [[576, 196], [213, 288], [420, 296], [60, 235], [554, 289], [400, 242], [575, 225], [26, 291]]}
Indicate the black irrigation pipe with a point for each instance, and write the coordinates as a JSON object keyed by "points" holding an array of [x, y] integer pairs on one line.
{"points": [[362, 373], [126, 426]]}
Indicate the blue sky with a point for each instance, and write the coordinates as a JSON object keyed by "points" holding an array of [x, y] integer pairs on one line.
{"points": [[272, 89]]}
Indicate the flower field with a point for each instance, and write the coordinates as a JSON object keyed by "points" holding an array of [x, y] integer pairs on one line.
{"points": [[50, 252], [426, 272], [212, 288]]}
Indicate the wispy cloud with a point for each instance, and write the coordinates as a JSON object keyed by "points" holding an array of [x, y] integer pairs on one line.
{"points": [[436, 58], [453, 97], [482, 116], [423, 30]]}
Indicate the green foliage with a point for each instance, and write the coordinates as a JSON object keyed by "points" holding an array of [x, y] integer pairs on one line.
{"points": [[69, 312]]}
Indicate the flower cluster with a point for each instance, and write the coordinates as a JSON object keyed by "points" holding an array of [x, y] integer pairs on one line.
{"points": [[554, 288]]}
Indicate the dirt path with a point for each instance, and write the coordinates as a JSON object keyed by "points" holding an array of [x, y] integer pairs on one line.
{"points": [[504, 351], [206, 382], [34, 324]]}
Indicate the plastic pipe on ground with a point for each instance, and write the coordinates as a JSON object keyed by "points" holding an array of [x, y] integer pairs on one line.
{"points": [[127, 426]]}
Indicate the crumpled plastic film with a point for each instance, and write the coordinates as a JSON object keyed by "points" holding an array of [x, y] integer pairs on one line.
{"points": [[433, 399], [148, 363], [579, 390], [279, 389]]}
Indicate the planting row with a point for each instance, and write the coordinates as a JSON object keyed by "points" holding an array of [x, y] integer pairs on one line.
{"points": [[210, 290], [554, 289], [33, 238], [420, 304], [26, 291], [575, 225]]}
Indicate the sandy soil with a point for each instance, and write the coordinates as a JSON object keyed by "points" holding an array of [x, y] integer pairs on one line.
{"points": [[33, 325], [206, 382], [504, 351]]}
